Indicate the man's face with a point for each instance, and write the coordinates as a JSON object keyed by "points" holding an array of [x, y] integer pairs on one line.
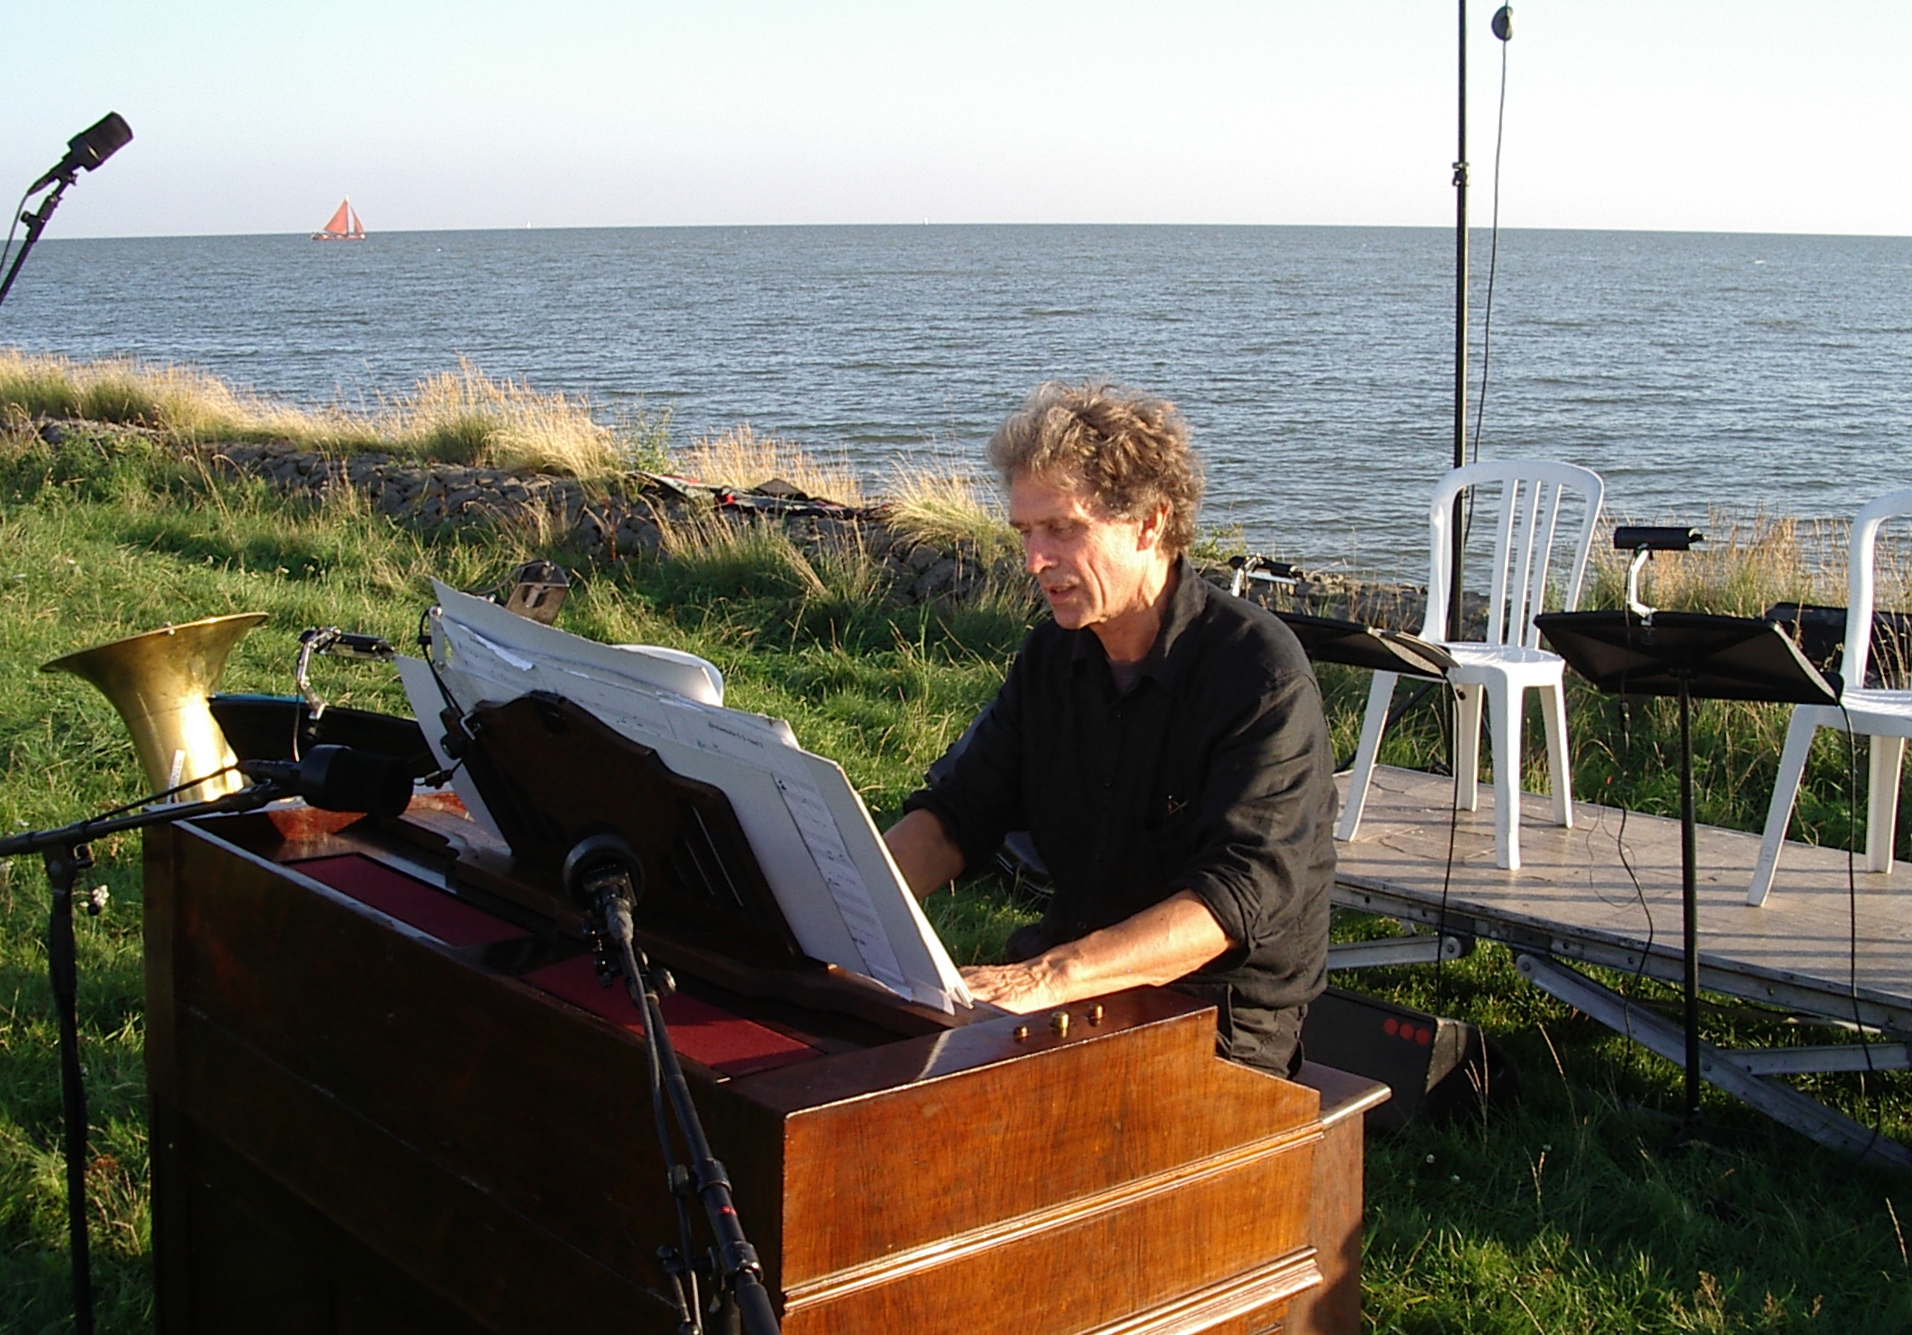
{"points": [[1094, 568]]}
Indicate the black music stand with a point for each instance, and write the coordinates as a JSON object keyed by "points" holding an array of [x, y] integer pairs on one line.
{"points": [[1332, 640], [1693, 656]]}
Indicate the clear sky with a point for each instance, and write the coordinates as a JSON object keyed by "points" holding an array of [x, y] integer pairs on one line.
{"points": [[1735, 115]]}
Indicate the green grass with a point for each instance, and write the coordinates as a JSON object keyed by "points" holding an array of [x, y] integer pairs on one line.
{"points": [[1558, 1210]]}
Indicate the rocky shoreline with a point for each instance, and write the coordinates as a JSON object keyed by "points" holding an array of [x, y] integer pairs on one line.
{"points": [[627, 518]]}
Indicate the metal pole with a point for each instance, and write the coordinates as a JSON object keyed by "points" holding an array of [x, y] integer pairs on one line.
{"points": [[63, 865], [1456, 537]]}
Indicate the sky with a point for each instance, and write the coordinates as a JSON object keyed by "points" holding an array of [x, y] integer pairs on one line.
{"points": [[1686, 115]]}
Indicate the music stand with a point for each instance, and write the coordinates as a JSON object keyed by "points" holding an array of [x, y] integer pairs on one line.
{"points": [[1332, 640], [1693, 656]]}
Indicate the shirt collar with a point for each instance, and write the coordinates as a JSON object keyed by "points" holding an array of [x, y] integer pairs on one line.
{"points": [[1184, 605]]}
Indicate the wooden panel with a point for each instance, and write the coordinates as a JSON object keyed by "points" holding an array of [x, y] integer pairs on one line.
{"points": [[449, 1234], [1334, 1211], [1086, 1265], [1068, 1119], [466, 1070], [257, 1251]]}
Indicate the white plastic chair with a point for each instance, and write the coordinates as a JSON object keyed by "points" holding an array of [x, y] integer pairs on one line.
{"points": [[1884, 716], [1510, 661]]}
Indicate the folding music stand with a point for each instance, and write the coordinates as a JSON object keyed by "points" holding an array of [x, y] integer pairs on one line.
{"points": [[1332, 640], [1693, 656]]}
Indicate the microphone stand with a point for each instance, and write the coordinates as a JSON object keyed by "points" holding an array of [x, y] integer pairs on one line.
{"points": [[741, 1305], [36, 223], [66, 855]]}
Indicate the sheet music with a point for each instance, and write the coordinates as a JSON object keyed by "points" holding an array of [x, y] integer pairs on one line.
{"points": [[825, 863]]}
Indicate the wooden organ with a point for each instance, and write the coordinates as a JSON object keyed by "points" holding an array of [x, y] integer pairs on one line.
{"points": [[389, 1093]]}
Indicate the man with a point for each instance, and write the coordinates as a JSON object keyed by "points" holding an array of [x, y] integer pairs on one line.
{"points": [[1162, 741]]}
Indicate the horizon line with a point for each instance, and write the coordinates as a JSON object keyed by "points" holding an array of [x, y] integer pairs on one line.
{"points": [[928, 223]]}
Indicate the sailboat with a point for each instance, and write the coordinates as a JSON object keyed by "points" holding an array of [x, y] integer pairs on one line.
{"points": [[344, 226]]}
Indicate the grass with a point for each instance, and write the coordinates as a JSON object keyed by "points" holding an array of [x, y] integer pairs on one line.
{"points": [[1559, 1210], [742, 458], [463, 417], [949, 509]]}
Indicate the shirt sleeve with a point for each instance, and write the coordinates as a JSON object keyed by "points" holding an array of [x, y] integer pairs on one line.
{"points": [[979, 799], [1268, 795]]}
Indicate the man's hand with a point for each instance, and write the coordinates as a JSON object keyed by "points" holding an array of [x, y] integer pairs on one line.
{"points": [[1016, 987], [1158, 945]]}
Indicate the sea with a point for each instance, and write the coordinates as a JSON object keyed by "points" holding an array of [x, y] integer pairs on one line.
{"points": [[1709, 378]]}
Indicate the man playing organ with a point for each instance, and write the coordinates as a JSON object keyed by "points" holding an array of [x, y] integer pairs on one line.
{"points": [[1163, 743]]}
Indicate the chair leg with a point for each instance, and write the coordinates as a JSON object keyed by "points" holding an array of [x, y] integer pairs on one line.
{"points": [[1380, 699], [1553, 709], [1792, 765], [1467, 703], [1882, 801], [1503, 718]]}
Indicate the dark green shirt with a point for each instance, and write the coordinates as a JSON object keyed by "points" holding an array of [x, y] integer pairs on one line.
{"points": [[1212, 773]]}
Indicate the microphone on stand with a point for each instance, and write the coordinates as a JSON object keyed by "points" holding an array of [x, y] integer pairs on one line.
{"points": [[89, 148], [337, 778]]}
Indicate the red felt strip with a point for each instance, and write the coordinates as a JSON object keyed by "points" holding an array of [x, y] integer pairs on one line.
{"points": [[410, 900], [701, 1032]]}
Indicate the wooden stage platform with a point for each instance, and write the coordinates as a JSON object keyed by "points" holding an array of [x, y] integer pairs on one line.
{"points": [[1573, 901]]}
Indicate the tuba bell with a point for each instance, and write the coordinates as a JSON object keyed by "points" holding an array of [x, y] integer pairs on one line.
{"points": [[160, 682]]}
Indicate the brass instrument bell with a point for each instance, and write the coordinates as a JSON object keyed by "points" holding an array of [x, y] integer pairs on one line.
{"points": [[160, 682]]}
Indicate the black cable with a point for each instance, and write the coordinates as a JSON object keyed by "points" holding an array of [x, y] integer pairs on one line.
{"points": [[1447, 874], [1493, 259], [1487, 313], [1852, 923], [165, 793], [13, 227]]}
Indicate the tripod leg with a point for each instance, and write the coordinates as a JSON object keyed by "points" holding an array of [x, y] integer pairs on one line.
{"points": [[62, 866]]}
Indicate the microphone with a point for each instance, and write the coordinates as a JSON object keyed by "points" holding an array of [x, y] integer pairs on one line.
{"points": [[337, 778], [89, 148]]}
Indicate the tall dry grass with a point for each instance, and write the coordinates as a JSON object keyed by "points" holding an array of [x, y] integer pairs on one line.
{"points": [[459, 417], [1750, 562], [944, 508], [740, 457]]}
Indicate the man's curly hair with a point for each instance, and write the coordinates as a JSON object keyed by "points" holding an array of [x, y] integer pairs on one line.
{"points": [[1128, 448]]}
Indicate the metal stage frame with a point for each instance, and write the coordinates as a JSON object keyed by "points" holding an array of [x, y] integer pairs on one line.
{"points": [[1573, 903]]}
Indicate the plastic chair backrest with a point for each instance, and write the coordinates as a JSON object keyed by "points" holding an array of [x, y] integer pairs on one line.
{"points": [[1859, 584], [1532, 492]]}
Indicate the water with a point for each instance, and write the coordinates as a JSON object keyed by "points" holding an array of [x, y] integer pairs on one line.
{"points": [[1315, 364]]}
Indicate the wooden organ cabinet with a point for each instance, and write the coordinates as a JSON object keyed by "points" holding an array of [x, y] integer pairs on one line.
{"points": [[389, 1094]]}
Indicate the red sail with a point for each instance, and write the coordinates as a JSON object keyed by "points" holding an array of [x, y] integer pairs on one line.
{"points": [[341, 223]]}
